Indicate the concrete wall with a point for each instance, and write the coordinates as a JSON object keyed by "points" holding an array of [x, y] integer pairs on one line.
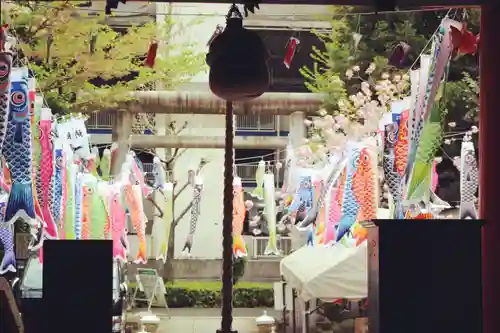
{"points": [[210, 270]]}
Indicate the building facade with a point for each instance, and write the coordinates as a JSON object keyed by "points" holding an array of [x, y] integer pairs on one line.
{"points": [[202, 19]]}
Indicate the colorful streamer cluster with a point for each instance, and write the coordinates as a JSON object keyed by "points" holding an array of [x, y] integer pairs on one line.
{"points": [[52, 180], [336, 198]]}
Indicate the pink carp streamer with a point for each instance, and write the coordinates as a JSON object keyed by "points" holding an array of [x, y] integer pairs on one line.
{"points": [[435, 177]]}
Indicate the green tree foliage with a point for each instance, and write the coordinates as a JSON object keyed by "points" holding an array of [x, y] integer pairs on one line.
{"points": [[81, 63], [379, 35], [462, 98]]}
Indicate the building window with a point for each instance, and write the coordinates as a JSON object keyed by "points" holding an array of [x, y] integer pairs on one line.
{"points": [[101, 120], [256, 122]]}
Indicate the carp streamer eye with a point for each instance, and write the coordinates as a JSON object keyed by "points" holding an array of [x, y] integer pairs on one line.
{"points": [[469, 158], [17, 98], [390, 133], [355, 158], [366, 158], [4, 70]]}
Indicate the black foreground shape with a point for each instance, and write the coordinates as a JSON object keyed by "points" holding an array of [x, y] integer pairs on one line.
{"points": [[424, 276]]}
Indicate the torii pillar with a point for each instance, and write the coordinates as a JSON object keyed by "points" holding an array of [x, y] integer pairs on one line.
{"points": [[489, 138]]}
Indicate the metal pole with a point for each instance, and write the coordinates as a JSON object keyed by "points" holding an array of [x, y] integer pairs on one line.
{"points": [[227, 228], [283, 290]]}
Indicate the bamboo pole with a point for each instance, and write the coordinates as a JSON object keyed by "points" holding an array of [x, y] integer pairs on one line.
{"points": [[206, 142]]}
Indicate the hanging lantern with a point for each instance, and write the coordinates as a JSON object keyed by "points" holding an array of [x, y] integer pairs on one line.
{"points": [[50, 41], [398, 55], [238, 61], [93, 41], [151, 57], [291, 48], [464, 41]]}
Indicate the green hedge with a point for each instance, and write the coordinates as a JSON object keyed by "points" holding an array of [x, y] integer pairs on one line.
{"points": [[207, 295]]}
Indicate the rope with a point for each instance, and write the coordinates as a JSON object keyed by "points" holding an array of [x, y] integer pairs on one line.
{"points": [[227, 226]]}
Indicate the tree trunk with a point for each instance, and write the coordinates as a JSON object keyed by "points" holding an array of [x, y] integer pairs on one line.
{"points": [[169, 264], [168, 272]]}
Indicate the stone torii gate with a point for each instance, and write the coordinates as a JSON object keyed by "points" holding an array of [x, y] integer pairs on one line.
{"points": [[295, 105]]}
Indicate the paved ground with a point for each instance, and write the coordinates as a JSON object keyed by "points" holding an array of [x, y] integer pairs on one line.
{"points": [[190, 320]]}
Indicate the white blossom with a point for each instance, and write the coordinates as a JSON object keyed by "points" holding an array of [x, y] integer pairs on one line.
{"points": [[340, 119], [349, 73], [329, 119], [370, 69], [355, 69], [452, 124]]}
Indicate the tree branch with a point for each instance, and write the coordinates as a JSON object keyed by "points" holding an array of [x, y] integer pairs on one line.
{"points": [[172, 158], [176, 195], [177, 154], [183, 213], [184, 126]]}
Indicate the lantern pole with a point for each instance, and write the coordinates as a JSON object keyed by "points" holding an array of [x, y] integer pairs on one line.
{"points": [[227, 228]]}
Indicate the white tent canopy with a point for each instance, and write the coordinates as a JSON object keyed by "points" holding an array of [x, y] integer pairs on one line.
{"points": [[327, 273]]}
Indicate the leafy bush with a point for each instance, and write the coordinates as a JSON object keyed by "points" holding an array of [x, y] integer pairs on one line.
{"points": [[206, 298], [208, 295], [239, 265]]}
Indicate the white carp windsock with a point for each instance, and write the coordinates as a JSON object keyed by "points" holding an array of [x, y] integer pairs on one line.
{"points": [[162, 229], [195, 214], [159, 173], [80, 138], [270, 212], [469, 180], [259, 179]]}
